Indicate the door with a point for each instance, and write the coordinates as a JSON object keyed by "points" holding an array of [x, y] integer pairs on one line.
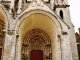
{"points": [[36, 55]]}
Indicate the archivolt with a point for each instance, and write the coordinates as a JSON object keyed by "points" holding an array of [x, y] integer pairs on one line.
{"points": [[36, 36], [50, 15], [36, 39]]}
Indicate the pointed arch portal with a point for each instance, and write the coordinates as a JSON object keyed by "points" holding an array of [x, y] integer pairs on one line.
{"points": [[38, 32], [35, 44]]}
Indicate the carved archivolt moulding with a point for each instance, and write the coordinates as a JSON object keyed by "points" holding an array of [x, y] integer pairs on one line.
{"points": [[36, 39], [2, 33], [36, 36]]}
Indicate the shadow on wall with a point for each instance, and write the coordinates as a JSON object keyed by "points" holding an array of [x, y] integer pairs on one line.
{"points": [[78, 46], [78, 41]]}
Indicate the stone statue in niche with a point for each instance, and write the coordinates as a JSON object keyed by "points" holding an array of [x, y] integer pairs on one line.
{"points": [[48, 52], [25, 52]]}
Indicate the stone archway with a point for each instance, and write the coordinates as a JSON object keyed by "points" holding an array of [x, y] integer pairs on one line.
{"points": [[36, 40], [41, 22]]}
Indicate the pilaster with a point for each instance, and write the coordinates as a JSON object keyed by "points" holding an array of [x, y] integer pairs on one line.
{"points": [[65, 47], [9, 45]]}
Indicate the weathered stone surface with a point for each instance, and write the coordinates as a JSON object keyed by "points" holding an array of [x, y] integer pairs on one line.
{"points": [[54, 33]]}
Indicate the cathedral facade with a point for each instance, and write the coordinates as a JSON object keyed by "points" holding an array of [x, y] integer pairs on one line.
{"points": [[36, 30]]}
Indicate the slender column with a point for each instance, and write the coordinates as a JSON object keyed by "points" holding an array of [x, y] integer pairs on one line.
{"points": [[19, 7], [17, 47], [59, 46], [11, 6], [6, 47], [9, 46], [65, 47], [52, 4], [12, 48]]}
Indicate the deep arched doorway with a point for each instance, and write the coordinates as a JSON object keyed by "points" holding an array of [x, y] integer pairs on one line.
{"points": [[36, 46], [34, 29]]}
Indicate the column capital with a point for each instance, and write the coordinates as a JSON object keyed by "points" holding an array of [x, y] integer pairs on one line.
{"points": [[11, 32]]}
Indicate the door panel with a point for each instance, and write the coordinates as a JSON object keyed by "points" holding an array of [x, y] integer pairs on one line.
{"points": [[36, 55]]}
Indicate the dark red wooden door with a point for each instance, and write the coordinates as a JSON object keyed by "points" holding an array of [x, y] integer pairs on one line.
{"points": [[0, 53], [36, 55]]}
